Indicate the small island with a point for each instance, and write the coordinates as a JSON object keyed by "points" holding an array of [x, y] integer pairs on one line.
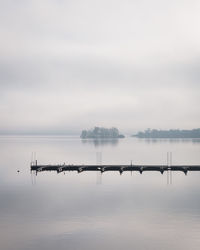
{"points": [[101, 133], [172, 133]]}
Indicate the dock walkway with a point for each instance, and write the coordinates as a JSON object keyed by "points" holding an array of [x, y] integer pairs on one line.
{"points": [[119, 168]]}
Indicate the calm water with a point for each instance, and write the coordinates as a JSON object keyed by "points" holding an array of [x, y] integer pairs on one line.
{"points": [[88, 211]]}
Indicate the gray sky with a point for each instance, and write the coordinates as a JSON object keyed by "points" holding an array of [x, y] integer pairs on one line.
{"points": [[69, 65]]}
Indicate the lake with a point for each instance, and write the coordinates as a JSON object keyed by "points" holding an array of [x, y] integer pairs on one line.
{"points": [[90, 211]]}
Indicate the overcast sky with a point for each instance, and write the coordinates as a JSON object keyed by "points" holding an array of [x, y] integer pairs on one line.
{"points": [[70, 65]]}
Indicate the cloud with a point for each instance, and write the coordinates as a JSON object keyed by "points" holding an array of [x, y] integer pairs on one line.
{"points": [[111, 62]]}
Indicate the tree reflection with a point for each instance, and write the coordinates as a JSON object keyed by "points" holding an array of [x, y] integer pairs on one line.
{"points": [[101, 142], [170, 140]]}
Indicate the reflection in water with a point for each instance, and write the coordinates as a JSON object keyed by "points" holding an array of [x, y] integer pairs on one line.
{"points": [[33, 178], [71, 212], [101, 142], [170, 140]]}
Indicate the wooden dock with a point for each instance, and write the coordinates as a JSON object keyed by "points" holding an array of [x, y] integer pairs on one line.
{"points": [[118, 168]]}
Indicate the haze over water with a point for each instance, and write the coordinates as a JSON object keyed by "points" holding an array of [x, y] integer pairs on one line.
{"points": [[68, 66], [89, 211]]}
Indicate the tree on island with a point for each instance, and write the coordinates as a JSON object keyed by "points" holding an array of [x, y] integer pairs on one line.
{"points": [[100, 132]]}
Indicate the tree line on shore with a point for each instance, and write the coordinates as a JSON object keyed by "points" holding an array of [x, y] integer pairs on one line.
{"points": [[101, 132], [172, 133]]}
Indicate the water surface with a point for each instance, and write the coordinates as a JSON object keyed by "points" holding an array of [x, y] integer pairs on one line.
{"points": [[90, 211]]}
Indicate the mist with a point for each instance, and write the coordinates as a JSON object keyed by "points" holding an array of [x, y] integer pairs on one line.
{"points": [[70, 65]]}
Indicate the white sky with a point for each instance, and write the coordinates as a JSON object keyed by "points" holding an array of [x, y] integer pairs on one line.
{"points": [[71, 65]]}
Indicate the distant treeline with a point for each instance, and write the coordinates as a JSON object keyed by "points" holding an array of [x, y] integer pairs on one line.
{"points": [[172, 133], [100, 132]]}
